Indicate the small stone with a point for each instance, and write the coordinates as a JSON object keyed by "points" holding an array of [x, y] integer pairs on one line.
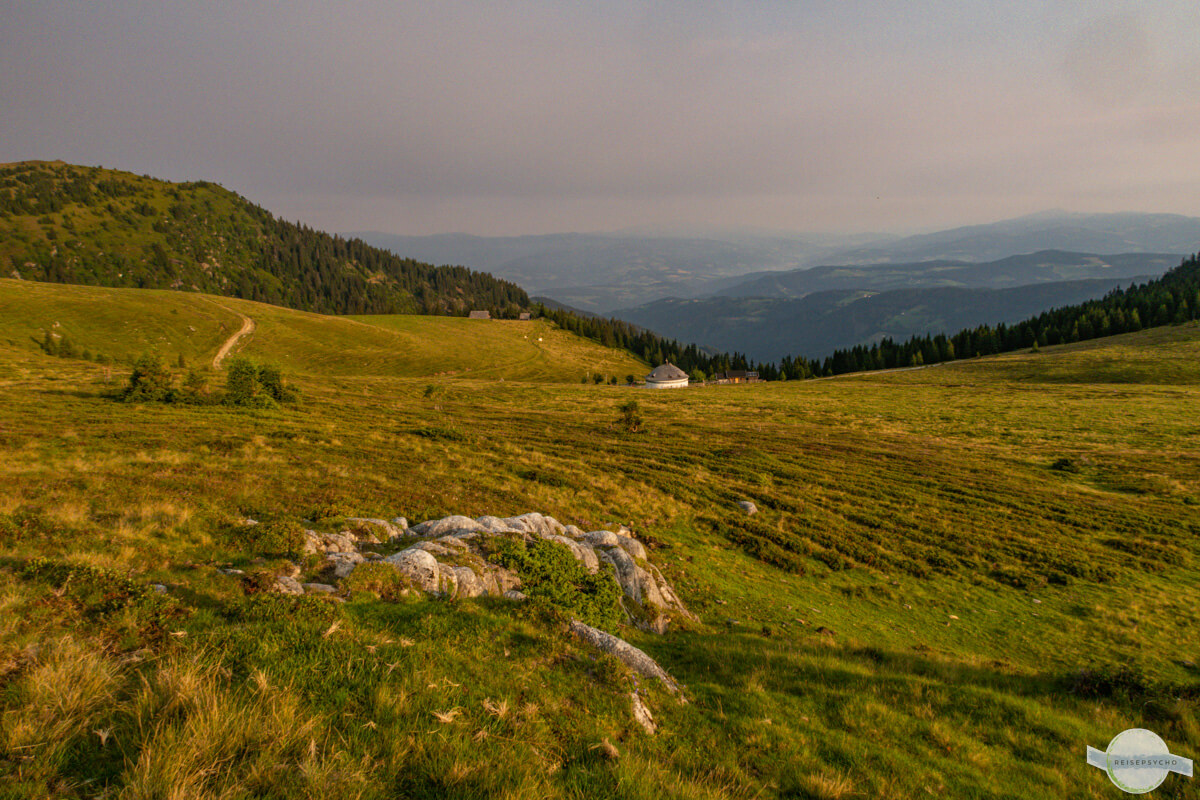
{"points": [[319, 588], [286, 585], [344, 563], [230, 571], [748, 507], [513, 594], [641, 714], [158, 587]]}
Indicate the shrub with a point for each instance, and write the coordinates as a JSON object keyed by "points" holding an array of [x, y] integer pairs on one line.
{"points": [[380, 579], [631, 416], [550, 573], [195, 388], [150, 381], [253, 386], [278, 539]]}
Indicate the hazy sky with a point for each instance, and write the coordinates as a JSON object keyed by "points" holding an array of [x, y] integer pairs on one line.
{"points": [[529, 117]]}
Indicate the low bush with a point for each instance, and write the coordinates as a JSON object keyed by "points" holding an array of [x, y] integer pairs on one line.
{"points": [[550, 573], [379, 579], [275, 539], [251, 385], [150, 382]]}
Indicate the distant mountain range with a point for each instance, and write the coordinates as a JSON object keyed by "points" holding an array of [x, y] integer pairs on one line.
{"points": [[603, 272], [1047, 266]]}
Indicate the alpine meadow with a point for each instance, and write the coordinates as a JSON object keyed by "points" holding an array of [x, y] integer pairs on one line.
{"points": [[556, 401], [954, 575]]}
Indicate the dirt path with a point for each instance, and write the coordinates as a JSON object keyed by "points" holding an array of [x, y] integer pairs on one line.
{"points": [[247, 329]]}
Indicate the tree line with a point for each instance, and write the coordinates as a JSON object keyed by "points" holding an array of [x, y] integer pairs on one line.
{"points": [[1173, 298]]}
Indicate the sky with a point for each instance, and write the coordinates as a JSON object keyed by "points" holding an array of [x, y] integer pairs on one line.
{"points": [[505, 118]]}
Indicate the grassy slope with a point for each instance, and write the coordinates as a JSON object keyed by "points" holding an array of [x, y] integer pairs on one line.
{"points": [[953, 649], [123, 323]]}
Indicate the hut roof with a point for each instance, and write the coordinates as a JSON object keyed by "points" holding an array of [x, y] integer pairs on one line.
{"points": [[666, 372]]}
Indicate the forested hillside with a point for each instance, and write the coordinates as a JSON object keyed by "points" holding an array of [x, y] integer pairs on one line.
{"points": [[70, 224], [1173, 298]]}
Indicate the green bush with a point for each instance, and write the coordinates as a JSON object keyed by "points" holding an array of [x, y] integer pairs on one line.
{"points": [[256, 386], [550, 573], [150, 382], [631, 416], [278, 539], [194, 389], [379, 579]]}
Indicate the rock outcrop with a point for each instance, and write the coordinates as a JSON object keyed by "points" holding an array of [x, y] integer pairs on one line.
{"points": [[450, 557]]}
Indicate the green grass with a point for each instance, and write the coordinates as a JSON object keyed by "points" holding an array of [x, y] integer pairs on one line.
{"points": [[123, 323], [979, 605]]}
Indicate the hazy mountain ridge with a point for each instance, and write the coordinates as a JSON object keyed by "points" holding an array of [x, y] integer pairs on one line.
{"points": [[600, 272], [1047, 266]]}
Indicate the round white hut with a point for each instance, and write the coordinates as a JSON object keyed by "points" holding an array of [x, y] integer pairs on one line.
{"points": [[667, 376]]}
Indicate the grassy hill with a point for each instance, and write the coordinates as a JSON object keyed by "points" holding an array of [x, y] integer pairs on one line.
{"points": [[88, 225], [958, 576], [123, 323]]}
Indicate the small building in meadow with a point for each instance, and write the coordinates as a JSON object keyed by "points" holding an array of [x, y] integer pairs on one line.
{"points": [[479, 315], [524, 316], [735, 376], [667, 376]]}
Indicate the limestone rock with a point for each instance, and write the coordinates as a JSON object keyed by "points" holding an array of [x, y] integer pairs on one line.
{"points": [[748, 507], [417, 565], [583, 552], [641, 714], [636, 583], [536, 524], [344, 563], [493, 524], [572, 531], [629, 655], [513, 594], [319, 588], [455, 543], [286, 585], [431, 547], [384, 529], [633, 547], [469, 584], [441, 527], [400, 523], [338, 543], [600, 538]]}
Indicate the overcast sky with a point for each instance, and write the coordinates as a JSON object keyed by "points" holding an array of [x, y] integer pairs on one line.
{"points": [[531, 117]]}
